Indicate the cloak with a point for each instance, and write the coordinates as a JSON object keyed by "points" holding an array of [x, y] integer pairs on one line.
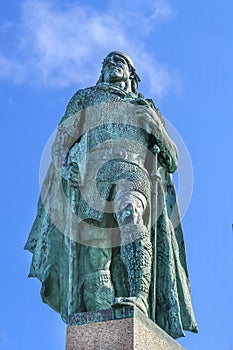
{"points": [[54, 237]]}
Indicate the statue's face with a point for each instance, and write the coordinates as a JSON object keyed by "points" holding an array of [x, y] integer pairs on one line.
{"points": [[115, 69]]}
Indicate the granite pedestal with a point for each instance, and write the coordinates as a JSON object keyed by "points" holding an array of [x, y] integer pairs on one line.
{"points": [[120, 329]]}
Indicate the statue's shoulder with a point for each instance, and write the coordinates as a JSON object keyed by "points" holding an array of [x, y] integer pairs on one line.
{"points": [[83, 94], [156, 109], [78, 101], [140, 99]]}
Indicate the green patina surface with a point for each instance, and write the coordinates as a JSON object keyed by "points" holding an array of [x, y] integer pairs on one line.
{"points": [[108, 232]]}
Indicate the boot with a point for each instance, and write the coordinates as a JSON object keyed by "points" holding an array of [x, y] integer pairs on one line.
{"points": [[98, 290], [136, 254]]}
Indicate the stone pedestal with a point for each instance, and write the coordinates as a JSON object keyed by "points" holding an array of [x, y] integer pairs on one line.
{"points": [[120, 329]]}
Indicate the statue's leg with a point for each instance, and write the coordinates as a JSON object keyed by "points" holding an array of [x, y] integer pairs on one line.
{"points": [[98, 291], [136, 249]]}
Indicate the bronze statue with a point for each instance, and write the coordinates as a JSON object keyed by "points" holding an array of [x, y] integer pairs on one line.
{"points": [[108, 231]]}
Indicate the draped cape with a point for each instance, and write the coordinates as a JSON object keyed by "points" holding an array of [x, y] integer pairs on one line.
{"points": [[53, 239]]}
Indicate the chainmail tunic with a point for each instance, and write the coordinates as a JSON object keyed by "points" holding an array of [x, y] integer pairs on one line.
{"points": [[114, 151]]}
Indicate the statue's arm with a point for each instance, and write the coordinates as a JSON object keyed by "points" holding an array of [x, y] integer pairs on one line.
{"points": [[168, 155], [68, 131], [153, 122]]}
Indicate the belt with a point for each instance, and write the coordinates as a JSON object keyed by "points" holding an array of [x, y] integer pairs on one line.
{"points": [[117, 153]]}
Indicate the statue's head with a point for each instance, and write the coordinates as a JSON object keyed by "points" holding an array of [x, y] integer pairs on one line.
{"points": [[118, 67]]}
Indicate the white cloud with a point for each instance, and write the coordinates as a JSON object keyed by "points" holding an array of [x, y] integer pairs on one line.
{"points": [[11, 69], [141, 14], [62, 47], [162, 10], [155, 75]]}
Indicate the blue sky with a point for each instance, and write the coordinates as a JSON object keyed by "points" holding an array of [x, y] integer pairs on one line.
{"points": [[183, 52]]}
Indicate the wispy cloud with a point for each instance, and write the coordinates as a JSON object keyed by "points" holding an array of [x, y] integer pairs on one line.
{"points": [[11, 69], [162, 10], [64, 46], [141, 14]]}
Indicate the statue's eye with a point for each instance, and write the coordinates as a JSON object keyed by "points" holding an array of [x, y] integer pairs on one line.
{"points": [[121, 60]]}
